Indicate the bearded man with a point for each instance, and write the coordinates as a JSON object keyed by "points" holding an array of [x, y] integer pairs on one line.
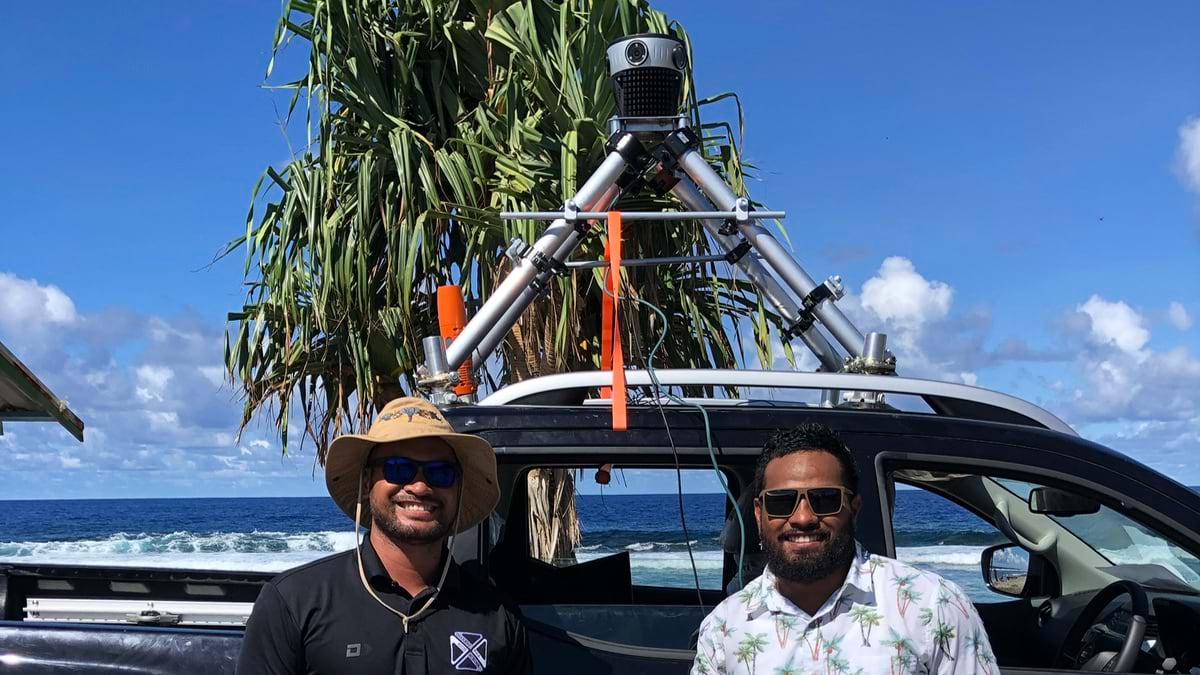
{"points": [[823, 604], [397, 603]]}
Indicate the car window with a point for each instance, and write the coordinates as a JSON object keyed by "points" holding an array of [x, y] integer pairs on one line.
{"points": [[1121, 540], [935, 534], [637, 513]]}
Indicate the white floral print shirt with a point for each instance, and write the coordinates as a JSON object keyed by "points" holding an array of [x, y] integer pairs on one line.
{"points": [[888, 617]]}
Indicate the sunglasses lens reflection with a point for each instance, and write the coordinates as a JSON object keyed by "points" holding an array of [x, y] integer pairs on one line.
{"points": [[822, 501]]}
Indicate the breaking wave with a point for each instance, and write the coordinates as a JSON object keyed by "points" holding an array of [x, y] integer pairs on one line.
{"points": [[272, 551], [245, 551], [937, 556]]}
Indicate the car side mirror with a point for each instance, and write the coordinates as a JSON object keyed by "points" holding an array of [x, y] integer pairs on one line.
{"points": [[1006, 569], [1055, 502]]}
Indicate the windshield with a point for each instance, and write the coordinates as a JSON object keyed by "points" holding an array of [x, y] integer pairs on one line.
{"points": [[1120, 540]]}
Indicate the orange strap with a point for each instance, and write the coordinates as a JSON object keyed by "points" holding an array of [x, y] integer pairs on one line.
{"points": [[606, 332], [620, 420]]}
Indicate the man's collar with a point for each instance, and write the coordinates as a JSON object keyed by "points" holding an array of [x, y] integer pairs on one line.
{"points": [[862, 571], [763, 593], [380, 580]]}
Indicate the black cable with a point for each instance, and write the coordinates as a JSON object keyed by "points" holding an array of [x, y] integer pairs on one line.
{"points": [[687, 539], [708, 437]]}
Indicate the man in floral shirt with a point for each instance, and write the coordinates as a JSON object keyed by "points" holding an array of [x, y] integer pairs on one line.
{"points": [[823, 605]]}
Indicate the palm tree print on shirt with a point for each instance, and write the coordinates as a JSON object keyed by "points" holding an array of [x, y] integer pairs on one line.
{"points": [[949, 595], [903, 660], [748, 596], [833, 655], [866, 617], [784, 625], [983, 656], [815, 644], [905, 593], [921, 624], [873, 563], [838, 665], [749, 648], [943, 636]]}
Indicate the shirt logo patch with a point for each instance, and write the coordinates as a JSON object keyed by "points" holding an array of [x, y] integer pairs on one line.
{"points": [[353, 650], [468, 651]]}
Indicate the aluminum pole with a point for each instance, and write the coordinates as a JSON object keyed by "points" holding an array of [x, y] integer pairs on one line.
{"points": [[772, 251], [488, 318], [766, 283], [513, 313]]}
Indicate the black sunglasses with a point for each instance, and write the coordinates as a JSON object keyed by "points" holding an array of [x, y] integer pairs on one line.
{"points": [[402, 471], [824, 501]]}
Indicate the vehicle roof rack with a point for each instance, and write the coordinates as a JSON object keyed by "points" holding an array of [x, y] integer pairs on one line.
{"points": [[944, 398]]}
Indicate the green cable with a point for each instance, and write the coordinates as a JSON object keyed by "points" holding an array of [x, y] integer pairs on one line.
{"points": [[712, 454]]}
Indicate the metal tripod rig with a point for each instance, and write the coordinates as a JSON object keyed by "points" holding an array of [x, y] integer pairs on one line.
{"points": [[664, 153]]}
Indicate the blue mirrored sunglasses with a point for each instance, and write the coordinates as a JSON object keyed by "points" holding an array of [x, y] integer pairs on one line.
{"points": [[402, 471]]}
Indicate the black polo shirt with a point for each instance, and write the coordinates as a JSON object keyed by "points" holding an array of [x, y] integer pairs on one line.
{"points": [[319, 619]]}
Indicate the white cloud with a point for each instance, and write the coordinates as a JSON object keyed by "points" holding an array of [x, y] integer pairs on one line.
{"points": [[162, 421], [152, 382], [1115, 323], [214, 374], [70, 462], [914, 312], [1188, 154], [1120, 378], [26, 305], [1179, 317], [898, 294]]}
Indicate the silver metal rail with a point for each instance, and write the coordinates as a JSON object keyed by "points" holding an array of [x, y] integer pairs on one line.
{"points": [[643, 215], [777, 379]]}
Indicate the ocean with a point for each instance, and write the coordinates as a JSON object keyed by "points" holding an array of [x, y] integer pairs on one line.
{"points": [[274, 534]]}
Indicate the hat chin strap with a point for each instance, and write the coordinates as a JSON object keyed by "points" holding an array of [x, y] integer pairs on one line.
{"points": [[362, 574]]}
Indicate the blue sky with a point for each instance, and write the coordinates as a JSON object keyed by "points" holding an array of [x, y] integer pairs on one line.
{"points": [[1012, 192]]}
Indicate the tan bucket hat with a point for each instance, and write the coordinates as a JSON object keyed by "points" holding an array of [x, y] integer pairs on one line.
{"points": [[403, 419]]}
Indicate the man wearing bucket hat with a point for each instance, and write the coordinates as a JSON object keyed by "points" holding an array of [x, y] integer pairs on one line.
{"points": [[397, 603]]}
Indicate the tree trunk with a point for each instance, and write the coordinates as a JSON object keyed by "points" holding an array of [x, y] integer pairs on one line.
{"points": [[553, 521]]}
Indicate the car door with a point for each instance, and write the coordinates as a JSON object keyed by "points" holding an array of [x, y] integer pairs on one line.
{"points": [[1027, 632]]}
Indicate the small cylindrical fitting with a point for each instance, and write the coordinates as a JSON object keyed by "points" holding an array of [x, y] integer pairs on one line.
{"points": [[875, 347], [435, 355]]}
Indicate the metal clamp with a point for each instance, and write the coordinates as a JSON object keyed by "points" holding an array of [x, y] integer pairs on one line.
{"points": [[741, 210], [518, 250], [831, 289], [875, 359], [667, 162], [571, 212], [738, 252], [741, 216]]}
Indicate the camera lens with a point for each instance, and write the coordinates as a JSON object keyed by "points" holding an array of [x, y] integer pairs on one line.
{"points": [[636, 53], [679, 57]]}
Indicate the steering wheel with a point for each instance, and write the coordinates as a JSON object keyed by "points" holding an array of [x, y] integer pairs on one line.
{"points": [[1079, 648]]}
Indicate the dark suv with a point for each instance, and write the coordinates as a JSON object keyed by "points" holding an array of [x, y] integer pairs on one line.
{"points": [[1097, 560]]}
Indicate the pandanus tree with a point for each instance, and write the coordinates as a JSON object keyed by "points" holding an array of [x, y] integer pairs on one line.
{"points": [[423, 120]]}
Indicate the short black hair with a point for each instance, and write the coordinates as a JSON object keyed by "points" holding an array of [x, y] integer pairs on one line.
{"points": [[808, 437]]}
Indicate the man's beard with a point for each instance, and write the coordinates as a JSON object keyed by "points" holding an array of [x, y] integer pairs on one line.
{"points": [[836, 554], [385, 518]]}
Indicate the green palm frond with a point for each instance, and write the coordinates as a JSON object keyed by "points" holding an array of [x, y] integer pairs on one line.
{"points": [[424, 120]]}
